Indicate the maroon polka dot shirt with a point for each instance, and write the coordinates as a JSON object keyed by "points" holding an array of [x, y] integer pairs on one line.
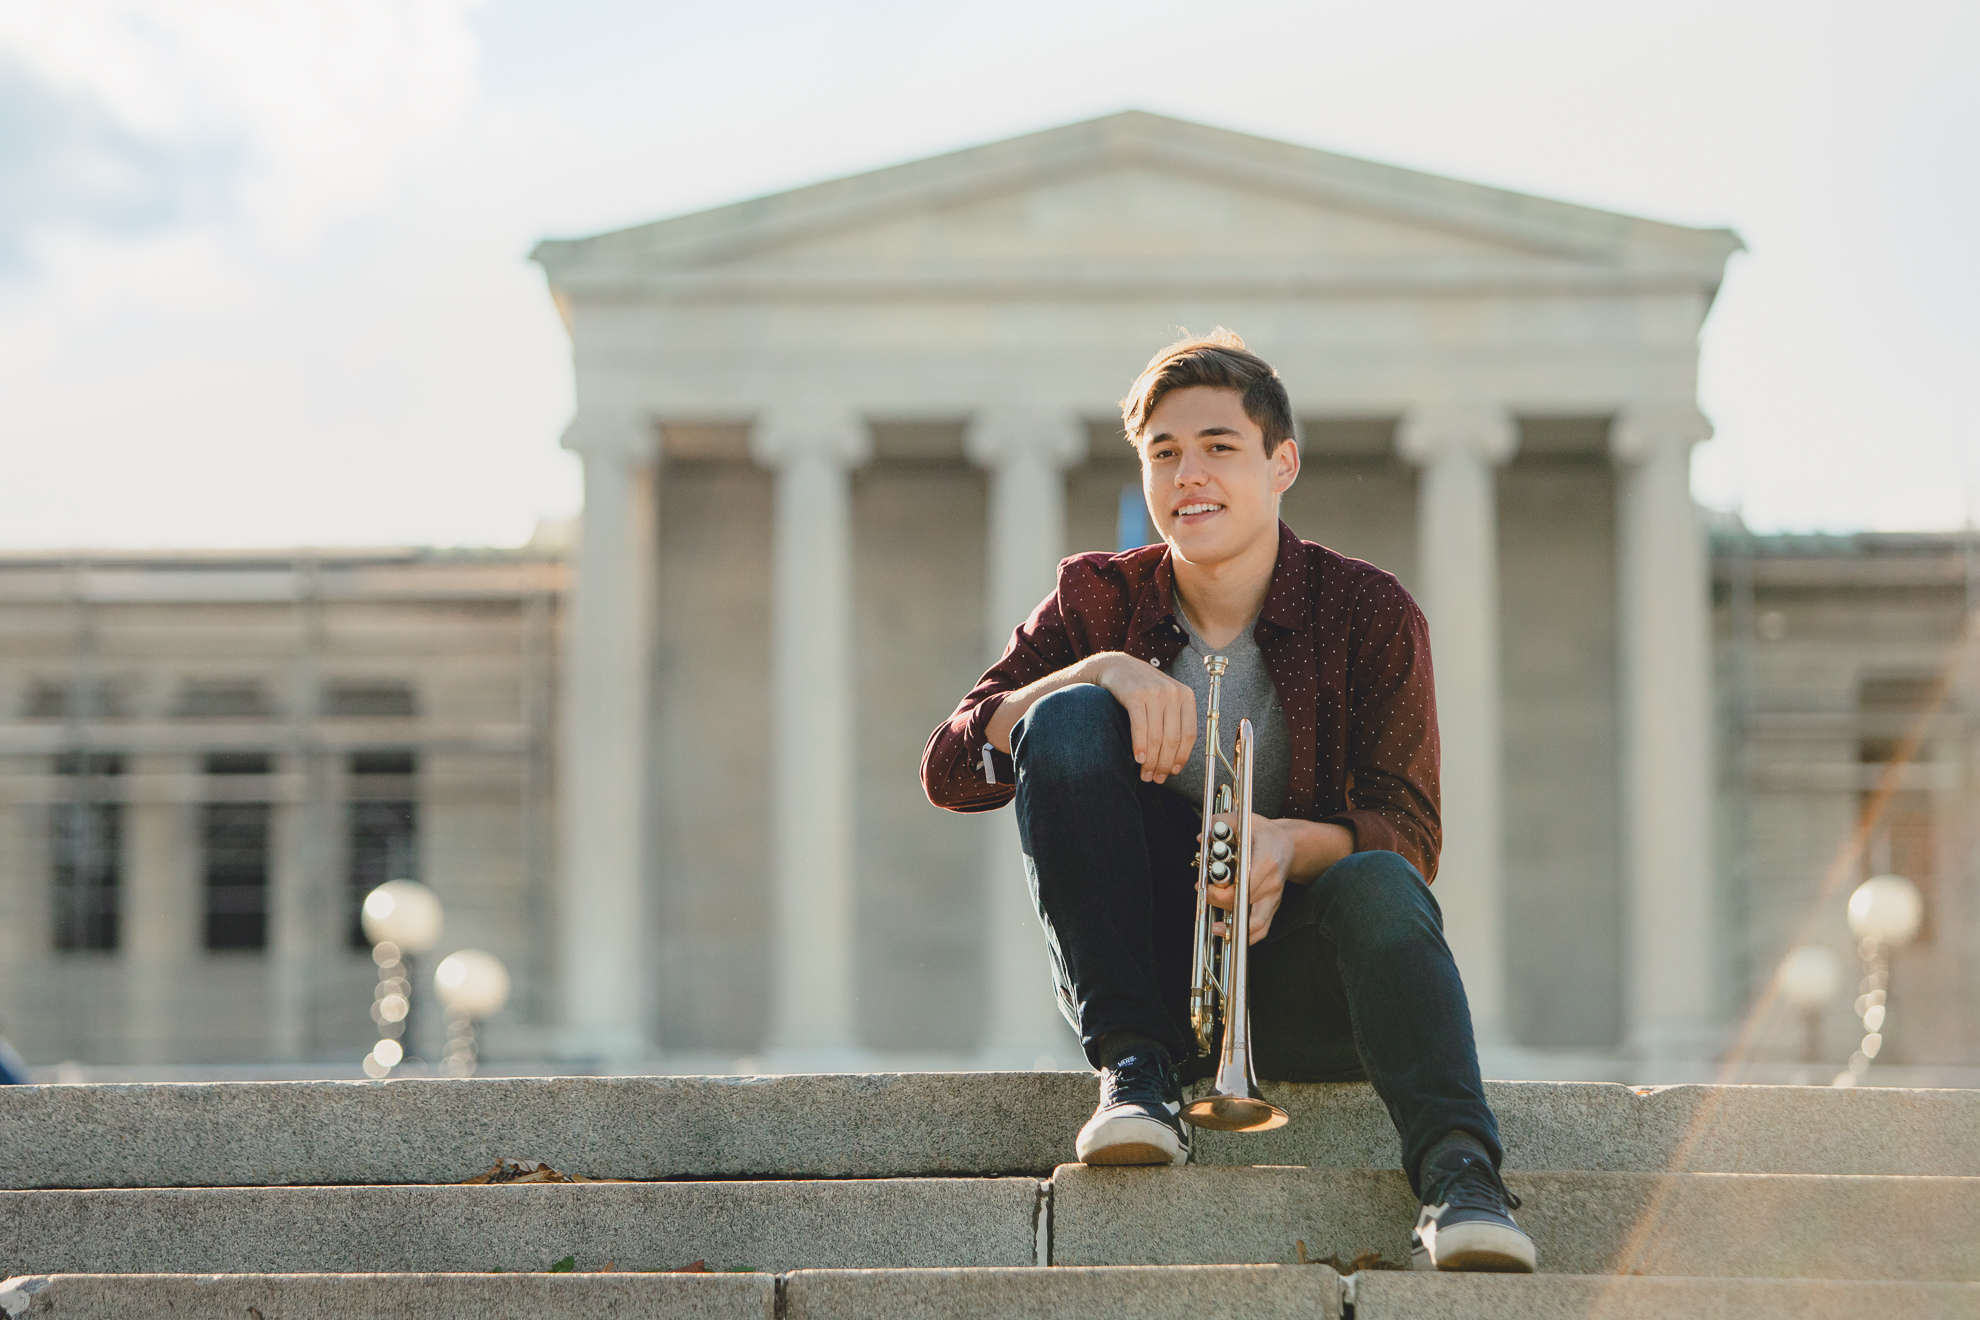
{"points": [[1348, 650]]}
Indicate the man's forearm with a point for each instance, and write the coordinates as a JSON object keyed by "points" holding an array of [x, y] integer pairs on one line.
{"points": [[1017, 703]]}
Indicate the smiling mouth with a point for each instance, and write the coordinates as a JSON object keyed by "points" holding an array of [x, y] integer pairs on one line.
{"points": [[1197, 509]]}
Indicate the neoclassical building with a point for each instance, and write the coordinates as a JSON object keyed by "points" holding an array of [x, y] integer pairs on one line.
{"points": [[836, 439], [834, 443]]}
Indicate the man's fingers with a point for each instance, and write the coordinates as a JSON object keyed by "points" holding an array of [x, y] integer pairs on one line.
{"points": [[1261, 920], [1157, 764], [1137, 709], [1188, 729], [1179, 734]]}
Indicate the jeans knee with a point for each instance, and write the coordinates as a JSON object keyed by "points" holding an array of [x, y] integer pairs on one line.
{"points": [[1379, 897], [1069, 734]]}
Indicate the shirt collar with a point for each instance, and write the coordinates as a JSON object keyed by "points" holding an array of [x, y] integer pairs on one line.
{"points": [[1286, 605]]}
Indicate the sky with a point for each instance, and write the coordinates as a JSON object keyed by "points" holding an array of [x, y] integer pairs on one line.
{"points": [[264, 276]]}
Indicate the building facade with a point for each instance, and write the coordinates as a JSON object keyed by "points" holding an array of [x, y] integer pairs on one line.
{"points": [[168, 904], [1846, 682], [206, 760], [835, 441]]}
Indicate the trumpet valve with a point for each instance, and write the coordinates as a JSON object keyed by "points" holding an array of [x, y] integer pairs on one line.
{"points": [[1220, 831], [1219, 873]]}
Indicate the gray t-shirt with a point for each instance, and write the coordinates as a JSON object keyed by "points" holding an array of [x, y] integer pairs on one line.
{"points": [[1247, 694]]}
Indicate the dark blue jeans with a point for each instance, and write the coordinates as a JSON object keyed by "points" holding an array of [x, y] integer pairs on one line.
{"points": [[1354, 980]]}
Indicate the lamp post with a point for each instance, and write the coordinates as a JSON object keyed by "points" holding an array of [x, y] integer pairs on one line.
{"points": [[401, 918], [1809, 977], [473, 985], [1884, 914]]}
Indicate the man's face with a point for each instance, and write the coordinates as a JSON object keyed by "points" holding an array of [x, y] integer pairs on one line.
{"points": [[1211, 487]]}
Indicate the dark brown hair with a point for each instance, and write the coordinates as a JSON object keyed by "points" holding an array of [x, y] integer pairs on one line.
{"points": [[1220, 360]]}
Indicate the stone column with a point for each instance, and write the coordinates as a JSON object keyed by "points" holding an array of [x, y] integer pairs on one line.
{"points": [[1457, 449], [1665, 625], [302, 875], [161, 916], [1027, 454], [602, 799], [813, 768]]}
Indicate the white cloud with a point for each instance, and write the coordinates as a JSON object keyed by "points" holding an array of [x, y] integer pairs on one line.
{"points": [[274, 285], [326, 103]]}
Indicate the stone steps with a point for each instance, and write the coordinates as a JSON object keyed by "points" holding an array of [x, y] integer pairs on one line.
{"points": [[846, 1223], [1128, 1293], [1723, 1225], [900, 1125], [1719, 1225], [941, 1195]]}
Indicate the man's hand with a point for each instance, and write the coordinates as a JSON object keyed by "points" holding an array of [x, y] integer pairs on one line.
{"points": [[1283, 852], [1272, 855], [1161, 710]]}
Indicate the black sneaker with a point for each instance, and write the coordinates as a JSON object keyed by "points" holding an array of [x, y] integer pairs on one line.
{"points": [[1137, 1121], [1467, 1221]]}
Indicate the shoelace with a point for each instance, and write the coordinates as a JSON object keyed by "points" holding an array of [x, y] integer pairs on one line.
{"points": [[1473, 1185], [1135, 1079]]}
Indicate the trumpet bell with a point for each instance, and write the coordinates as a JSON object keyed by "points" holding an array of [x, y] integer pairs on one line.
{"points": [[1234, 1113]]}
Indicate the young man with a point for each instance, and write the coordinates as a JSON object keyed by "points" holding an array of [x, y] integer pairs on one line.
{"points": [[1091, 720]]}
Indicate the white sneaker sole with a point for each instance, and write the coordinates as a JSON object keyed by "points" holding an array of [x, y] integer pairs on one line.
{"points": [[1488, 1248], [1127, 1139]]}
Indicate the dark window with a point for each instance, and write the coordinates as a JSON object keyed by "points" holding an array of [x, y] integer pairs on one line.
{"points": [[234, 837], [1907, 694], [239, 763], [369, 700], [223, 699], [57, 701], [383, 825], [383, 763], [87, 839]]}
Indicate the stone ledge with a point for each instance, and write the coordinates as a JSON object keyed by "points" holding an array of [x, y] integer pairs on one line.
{"points": [[899, 1125], [634, 1226], [245, 1134], [1256, 1292], [1386, 1296], [1700, 1224], [393, 1296]]}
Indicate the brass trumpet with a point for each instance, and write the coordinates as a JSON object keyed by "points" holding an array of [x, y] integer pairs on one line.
{"points": [[1218, 983]]}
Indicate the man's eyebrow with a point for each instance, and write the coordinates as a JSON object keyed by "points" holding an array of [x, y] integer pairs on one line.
{"points": [[1164, 437]]}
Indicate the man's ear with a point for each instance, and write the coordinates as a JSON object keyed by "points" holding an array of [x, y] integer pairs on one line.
{"points": [[1285, 466]]}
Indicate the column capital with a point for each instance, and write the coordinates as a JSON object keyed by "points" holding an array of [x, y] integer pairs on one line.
{"points": [[1641, 430], [623, 435], [833, 432], [995, 436], [1430, 432]]}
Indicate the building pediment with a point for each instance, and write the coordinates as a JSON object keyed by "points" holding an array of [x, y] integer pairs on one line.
{"points": [[1134, 203]]}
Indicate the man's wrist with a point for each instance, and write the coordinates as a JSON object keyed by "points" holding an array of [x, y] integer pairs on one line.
{"points": [[1317, 845], [1095, 669]]}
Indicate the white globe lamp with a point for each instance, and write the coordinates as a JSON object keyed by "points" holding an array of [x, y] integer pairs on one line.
{"points": [[405, 913], [1887, 910], [472, 982], [1811, 975]]}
